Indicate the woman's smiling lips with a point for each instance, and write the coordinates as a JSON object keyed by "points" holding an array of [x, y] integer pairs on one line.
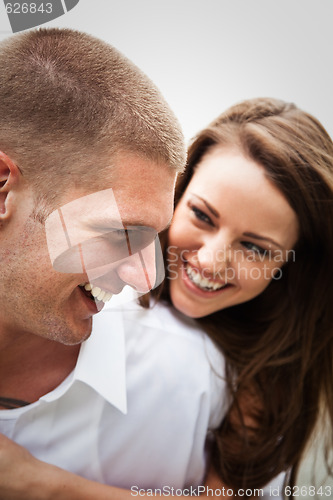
{"points": [[201, 285]]}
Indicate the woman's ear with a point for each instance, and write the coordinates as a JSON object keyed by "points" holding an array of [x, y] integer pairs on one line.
{"points": [[9, 178]]}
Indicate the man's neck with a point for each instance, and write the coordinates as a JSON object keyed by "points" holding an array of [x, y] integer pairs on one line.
{"points": [[31, 366]]}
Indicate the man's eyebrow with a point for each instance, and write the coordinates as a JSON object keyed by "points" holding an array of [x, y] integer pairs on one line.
{"points": [[212, 210], [103, 222], [140, 224], [108, 224]]}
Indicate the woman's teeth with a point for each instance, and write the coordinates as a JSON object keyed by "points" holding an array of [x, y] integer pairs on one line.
{"points": [[200, 282], [97, 292]]}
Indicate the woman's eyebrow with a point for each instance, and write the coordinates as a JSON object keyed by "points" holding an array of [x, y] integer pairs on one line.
{"points": [[210, 208], [258, 237]]}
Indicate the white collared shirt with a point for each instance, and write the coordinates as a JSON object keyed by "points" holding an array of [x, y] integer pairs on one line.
{"points": [[151, 437]]}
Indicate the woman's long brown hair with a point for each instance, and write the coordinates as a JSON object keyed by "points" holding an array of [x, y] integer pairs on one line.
{"points": [[279, 346]]}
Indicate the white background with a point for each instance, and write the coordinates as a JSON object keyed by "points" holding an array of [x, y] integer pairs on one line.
{"points": [[208, 54]]}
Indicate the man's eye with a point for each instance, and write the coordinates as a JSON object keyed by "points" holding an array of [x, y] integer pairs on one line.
{"points": [[255, 248], [200, 215], [119, 233], [114, 236]]}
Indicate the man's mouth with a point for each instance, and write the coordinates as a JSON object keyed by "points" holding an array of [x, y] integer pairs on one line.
{"points": [[208, 285], [95, 292]]}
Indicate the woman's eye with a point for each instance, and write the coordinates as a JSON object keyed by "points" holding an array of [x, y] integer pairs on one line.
{"points": [[200, 215], [254, 248]]}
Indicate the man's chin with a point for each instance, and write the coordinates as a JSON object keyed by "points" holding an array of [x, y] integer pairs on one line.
{"points": [[80, 335], [74, 335]]}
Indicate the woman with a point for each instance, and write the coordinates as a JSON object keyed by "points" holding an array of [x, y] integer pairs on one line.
{"points": [[248, 256], [279, 344]]}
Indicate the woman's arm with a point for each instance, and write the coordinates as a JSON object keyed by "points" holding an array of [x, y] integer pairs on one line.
{"points": [[23, 476]]}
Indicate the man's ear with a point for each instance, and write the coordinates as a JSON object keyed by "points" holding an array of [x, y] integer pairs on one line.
{"points": [[9, 178]]}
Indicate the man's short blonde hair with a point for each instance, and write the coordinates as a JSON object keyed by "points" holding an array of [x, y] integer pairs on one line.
{"points": [[69, 102]]}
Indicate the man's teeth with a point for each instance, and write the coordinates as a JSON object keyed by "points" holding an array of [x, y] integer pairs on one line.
{"points": [[97, 292], [200, 281]]}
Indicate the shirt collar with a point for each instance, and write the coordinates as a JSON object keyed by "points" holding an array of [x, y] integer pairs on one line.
{"points": [[101, 361]]}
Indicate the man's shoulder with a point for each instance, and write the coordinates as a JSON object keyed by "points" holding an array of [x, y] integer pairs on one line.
{"points": [[162, 332], [172, 340], [162, 341], [179, 360], [161, 318]]}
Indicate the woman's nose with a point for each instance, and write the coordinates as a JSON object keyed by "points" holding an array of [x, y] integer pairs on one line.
{"points": [[213, 257]]}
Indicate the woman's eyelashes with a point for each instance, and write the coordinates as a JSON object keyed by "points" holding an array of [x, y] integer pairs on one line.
{"points": [[255, 248], [200, 215]]}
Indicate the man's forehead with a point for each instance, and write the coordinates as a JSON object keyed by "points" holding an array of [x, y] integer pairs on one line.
{"points": [[129, 191], [90, 205]]}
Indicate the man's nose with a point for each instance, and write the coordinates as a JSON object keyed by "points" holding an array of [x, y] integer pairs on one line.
{"points": [[139, 269]]}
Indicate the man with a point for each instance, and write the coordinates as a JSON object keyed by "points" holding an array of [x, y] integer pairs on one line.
{"points": [[89, 156], [77, 118]]}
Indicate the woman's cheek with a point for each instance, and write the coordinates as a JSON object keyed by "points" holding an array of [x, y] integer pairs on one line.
{"points": [[177, 235], [253, 276]]}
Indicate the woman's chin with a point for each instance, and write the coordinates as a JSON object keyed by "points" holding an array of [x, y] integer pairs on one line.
{"points": [[185, 305]]}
